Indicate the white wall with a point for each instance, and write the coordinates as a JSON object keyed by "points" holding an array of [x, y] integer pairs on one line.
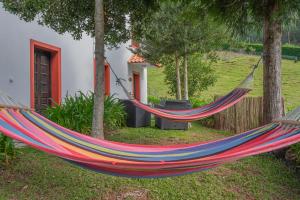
{"points": [[118, 60], [77, 60], [15, 35]]}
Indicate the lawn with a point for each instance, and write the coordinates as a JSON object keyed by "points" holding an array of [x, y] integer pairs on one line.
{"points": [[36, 175]]}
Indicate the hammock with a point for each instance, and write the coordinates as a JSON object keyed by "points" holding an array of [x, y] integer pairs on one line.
{"points": [[215, 107], [144, 161]]}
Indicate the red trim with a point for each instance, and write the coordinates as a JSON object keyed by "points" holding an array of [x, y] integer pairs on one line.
{"points": [[107, 80], [136, 86], [55, 70], [106, 77]]}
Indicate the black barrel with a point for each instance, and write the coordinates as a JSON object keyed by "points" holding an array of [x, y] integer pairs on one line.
{"points": [[166, 124], [136, 117]]}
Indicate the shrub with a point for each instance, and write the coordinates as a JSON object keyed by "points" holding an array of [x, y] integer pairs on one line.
{"points": [[7, 149], [208, 121], [154, 100], [197, 102], [114, 114], [76, 113], [288, 51]]}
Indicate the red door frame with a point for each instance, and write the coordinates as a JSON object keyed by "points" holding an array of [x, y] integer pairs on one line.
{"points": [[106, 77], [55, 63], [136, 87]]}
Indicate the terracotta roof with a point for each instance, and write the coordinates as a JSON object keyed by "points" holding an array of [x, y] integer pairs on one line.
{"points": [[136, 59]]}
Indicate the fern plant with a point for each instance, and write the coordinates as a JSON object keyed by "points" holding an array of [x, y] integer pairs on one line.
{"points": [[76, 113], [7, 149]]}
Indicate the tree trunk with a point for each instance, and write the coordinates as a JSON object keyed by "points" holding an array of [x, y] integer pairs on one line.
{"points": [[178, 81], [98, 112], [288, 37], [186, 81], [272, 102]]}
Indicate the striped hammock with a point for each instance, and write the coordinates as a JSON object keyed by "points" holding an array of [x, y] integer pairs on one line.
{"points": [[217, 106], [144, 161]]}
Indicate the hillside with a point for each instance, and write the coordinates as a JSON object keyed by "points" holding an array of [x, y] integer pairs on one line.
{"points": [[231, 69]]}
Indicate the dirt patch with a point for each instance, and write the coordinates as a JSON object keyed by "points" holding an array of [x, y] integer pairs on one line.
{"points": [[240, 193], [135, 194], [221, 171]]}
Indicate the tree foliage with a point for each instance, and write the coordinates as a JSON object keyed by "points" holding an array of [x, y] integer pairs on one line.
{"points": [[201, 75], [108, 21], [77, 17], [242, 16], [176, 26], [269, 16], [178, 30]]}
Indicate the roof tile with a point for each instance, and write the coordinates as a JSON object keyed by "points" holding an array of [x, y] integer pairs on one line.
{"points": [[136, 59]]}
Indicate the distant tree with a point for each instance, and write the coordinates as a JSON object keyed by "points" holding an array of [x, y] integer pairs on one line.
{"points": [[107, 20], [266, 15], [177, 30], [201, 75]]}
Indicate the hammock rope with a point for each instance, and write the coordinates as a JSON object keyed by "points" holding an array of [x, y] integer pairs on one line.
{"points": [[144, 161], [220, 104]]}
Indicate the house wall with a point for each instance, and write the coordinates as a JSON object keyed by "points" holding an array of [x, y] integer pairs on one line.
{"points": [[15, 35], [77, 65], [118, 60]]}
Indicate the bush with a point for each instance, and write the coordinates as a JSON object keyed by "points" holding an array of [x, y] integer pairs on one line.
{"points": [[7, 149], [208, 121], [288, 51], [76, 113], [196, 102], [154, 100], [114, 114]]}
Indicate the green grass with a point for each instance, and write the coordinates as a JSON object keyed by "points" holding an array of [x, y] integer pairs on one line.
{"points": [[231, 70], [36, 175]]}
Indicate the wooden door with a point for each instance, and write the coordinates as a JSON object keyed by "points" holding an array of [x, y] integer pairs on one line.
{"points": [[136, 86], [42, 80]]}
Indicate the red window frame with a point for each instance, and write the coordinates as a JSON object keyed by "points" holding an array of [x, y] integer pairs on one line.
{"points": [[55, 63], [106, 77]]}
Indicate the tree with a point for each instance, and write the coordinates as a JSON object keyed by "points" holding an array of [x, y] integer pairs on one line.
{"points": [[177, 31], [106, 20], [97, 126], [201, 75], [269, 16]]}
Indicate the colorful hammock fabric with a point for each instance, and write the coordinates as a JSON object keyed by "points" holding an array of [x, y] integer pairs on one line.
{"points": [[217, 106], [144, 161], [197, 113]]}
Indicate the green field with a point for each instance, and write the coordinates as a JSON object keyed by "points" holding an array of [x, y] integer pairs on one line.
{"points": [[35, 175], [231, 70]]}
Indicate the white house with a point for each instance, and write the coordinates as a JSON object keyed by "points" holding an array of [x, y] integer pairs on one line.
{"points": [[38, 66]]}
